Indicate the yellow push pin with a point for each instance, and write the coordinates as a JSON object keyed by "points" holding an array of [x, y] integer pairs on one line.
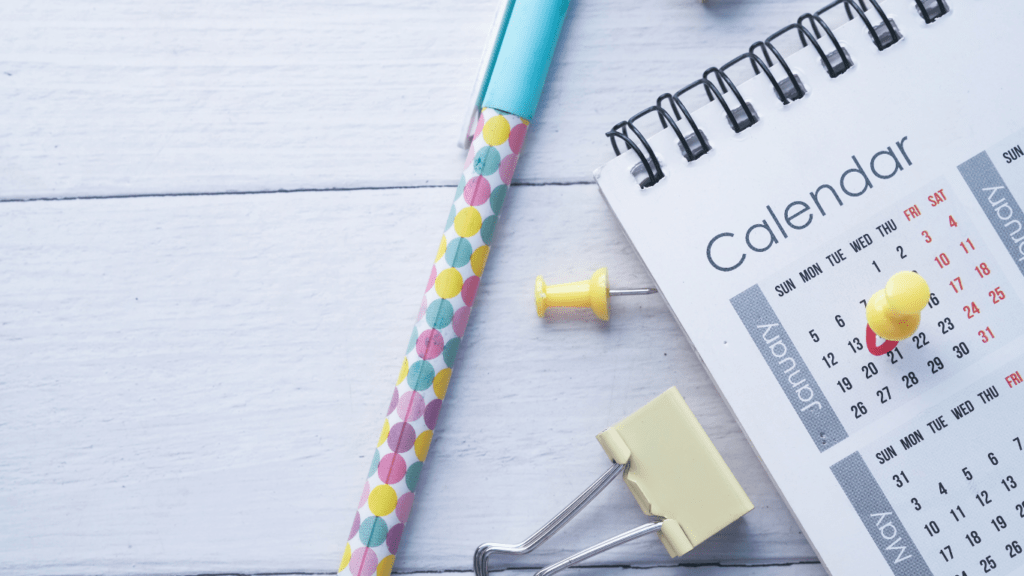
{"points": [[895, 312], [591, 294]]}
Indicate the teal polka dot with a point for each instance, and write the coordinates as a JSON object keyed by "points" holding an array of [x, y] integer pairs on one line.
{"points": [[412, 475], [486, 161], [451, 348], [374, 463], [460, 187], [412, 341], [373, 531], [439, 314], [421, 375], [451, 218], [487, 229], [498, 198], [458, 253]]}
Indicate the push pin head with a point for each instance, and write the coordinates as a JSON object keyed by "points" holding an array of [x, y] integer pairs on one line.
{"points": [[894, 313], [591, 294]]}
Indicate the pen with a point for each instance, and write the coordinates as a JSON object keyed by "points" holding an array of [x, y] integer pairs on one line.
{"points": [[511, 92]]}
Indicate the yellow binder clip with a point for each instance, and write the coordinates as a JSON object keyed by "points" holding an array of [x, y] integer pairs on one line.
{"points": [[674, 472], [591, 294]]}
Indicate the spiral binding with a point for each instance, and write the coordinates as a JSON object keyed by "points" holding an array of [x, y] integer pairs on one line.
{"points": [[693, 143]]}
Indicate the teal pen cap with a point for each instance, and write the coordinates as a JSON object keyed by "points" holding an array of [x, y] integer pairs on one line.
{"points": [[525, 55]]}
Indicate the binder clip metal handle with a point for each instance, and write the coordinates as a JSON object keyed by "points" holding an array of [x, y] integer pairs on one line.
{"points": [[596, 549], [484, 551], [674, 472]]}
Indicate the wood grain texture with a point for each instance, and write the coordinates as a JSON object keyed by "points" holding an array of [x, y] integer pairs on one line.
{"points": [[786, 570], [192, 383], [122, 98], [781, 570], [195, 384]]}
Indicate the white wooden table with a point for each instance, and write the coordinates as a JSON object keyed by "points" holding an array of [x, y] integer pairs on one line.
{"points": [[216, 225]]}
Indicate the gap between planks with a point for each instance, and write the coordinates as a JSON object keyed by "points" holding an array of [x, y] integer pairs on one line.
{"points": [[262, 192], [804, 568]]}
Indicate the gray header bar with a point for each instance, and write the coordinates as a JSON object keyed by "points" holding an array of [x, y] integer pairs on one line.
{"points": [[998, 203], [879, 519], [789, 368]]}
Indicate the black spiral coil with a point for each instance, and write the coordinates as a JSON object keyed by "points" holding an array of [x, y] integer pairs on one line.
{"points": [[834, 58]]}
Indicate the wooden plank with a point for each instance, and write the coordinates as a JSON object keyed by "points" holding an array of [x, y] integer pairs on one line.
{"points": [[122, 98], [195, 383], [812, 569]]}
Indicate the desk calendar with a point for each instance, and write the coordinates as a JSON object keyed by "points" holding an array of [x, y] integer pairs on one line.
{"points": [[902, 458]]}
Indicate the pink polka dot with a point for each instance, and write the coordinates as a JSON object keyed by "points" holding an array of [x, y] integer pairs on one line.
{"points": [[430, 343], [460, 320], [394, 402], [363, 562], [394, 538], [423, 308], [391, 469], [477, 191], [508, 166], [480, 125], [355, 526], [404, 506], [410, 406], [433, 276], [366, 494], [401, 437], [431, 413], [515, 138], [469, 287]]}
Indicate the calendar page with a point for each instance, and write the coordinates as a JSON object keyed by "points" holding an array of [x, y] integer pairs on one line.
{"points": [[897, 457], [935, 482]]}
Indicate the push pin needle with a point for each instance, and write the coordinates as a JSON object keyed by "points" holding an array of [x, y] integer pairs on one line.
{"points": [[591, 294]]}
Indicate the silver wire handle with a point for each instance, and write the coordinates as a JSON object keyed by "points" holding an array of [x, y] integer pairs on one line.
{"points": [[598, 548], [484, 551]]}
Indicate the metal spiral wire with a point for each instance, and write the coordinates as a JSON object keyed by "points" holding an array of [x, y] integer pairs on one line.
{"points": [[691, 140]]}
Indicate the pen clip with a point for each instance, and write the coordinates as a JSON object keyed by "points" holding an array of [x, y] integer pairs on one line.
{"points": [[483, 76]]}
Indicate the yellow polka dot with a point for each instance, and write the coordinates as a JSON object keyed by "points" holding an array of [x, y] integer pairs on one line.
{"points": [[382, 500], [467, 222], [403, 372], [423, 444], [448, 283], [345, 557], [384, 568], [479, 259], [496, 130], [384, 433], [441, 250], [441, 382]]}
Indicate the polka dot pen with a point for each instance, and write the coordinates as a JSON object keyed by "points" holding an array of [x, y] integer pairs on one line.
{"points": [[423, 379], [512, 90]]}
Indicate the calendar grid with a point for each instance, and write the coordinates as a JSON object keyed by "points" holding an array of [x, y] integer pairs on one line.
{"points": [[937, 488]]}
